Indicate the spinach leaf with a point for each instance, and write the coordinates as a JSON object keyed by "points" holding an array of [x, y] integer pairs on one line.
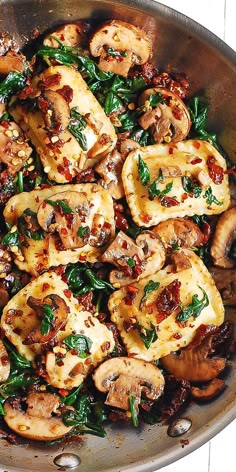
{"points": [[32, 230], [141, 136], [95, 283], [112, 103], [133, 411], [15, 382], [153, 188], [81, 343], [72, 397], [155, 192], [130, 262], [195, 308], [198, 113], [150, 287], [17, 361], [83, 416], [155, 98], [148, 336], [210, 198], [83, 232], [48, 317], [113, 52], [76, 126], [11, 84], [143, 171], [12, 239], [60, 203], [191, 186], [20, 182], [2, 411], [81, 280]]}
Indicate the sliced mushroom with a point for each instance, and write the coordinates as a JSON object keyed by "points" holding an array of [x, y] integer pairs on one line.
{"points": [[55, 109], [134, 260], [225, 280], [120, 46], [12, 62], [193, 364], [123, 377], [209, 391], [4, 362], [70, 34], [127, 146], [110, 169], [42, 420], [60, 314], [14, 149], [169, 120], [180, 261], [67, 223], [225, 234], [180, 231]]}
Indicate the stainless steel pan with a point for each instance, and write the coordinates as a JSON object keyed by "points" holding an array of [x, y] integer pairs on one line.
{"points": [[182, 45]]}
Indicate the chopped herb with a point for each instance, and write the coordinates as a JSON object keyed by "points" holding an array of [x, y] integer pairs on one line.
{"points": [[150, 287], [143, 171], [155, 192], [195, 308], [13, 82], [12, 239], [48, 317], [113, 52], [2, 411], [210, 198], [60, 204], [130, 262], [80, 343], [153, 189], [31, 229], [20, 182], [155, 98], [83, 232], [191, 186], [148, 336], [76, 126], [133, 411], [175, 247]]}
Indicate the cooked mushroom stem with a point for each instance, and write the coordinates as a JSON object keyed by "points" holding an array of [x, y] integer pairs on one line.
{"points": [[193, 364], [209, 391], [124, 376], [37, 422], [225, 234], [120, 45]]}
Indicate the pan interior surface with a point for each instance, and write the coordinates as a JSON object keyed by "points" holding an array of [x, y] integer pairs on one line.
{"points": [[182, 46]]}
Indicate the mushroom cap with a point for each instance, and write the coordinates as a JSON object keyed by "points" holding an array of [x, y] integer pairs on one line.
{"points": [[209, 391], [173, 113], [147, 375], [180, 231], [224, 235], [70, 34], [4, 362], [193, 364], [37, 422]]}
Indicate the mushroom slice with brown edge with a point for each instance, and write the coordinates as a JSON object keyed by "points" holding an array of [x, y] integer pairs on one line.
{"points": [[225, 280], [4, 362], [180, 261], [165, 114], [225, 234], [209, 391], [153, 251], [67, 209], [183, 232], [110, 170], [120, 45], [42, 420], [12, 62], [53, 313], [70, 34], [127, 146], [193, 365], [125, 377], [55, 110]]}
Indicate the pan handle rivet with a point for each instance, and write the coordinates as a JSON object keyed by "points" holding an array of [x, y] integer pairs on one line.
{"points": [[67, 460]]}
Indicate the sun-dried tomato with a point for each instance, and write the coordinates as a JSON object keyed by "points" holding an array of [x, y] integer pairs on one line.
{"points": [[215, 172], [168, 300], [67, 93], [169, 202], [121, 221], [50, 81]]}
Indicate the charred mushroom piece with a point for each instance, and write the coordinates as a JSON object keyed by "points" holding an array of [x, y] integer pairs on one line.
{"points": [[225, 280], [71, 34], [209, 391], [185, 233], [124, 377], [63, 213], [42, 420], [120, 46], [4, 361], [180, 261], [224, 236], [52, 310], [110, 170], [193, 365], [169, 120], [12, 62], [14, 149], [55, 109]]}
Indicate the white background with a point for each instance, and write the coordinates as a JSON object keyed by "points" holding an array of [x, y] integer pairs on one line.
{"points": [[219, 16]]}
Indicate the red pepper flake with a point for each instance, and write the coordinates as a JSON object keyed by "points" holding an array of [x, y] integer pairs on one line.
{"points": [[169, 202], [60, 363], [231, 172], [35, 33], [67, 293], [132, 288], [168, 300], [45, 287], [177, 336], [124, 245], [4, 360], [130, 295], [197, 160], [64, 231], [82, 258], [107, 225], [74, 352], [145, 217], [5, 124], [44, 204], [121, 221], [177, 112], [37, 199], [196, 144], [171, 150], [215, 172], [63, 392], [184, 197], [184, 442]]}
